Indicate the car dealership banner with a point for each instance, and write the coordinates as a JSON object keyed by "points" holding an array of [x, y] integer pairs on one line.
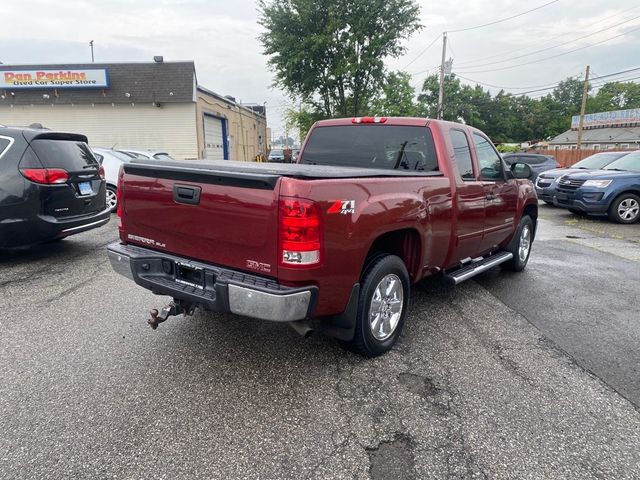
{"points": [[38, 79], [608, 119]]}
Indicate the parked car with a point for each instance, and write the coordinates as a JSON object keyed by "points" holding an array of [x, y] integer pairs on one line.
{"points": [[276, 155], [547, 181], [538, 163], [612, 191], [111, 160], [51, 186], [146, 154], [375, 205], [295, 153]]}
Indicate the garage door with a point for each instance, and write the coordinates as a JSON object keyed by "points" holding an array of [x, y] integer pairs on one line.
{"points": [[213, 138]]}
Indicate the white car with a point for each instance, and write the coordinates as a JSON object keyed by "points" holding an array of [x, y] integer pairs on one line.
{"points": [[146, 154], [111, 161]]}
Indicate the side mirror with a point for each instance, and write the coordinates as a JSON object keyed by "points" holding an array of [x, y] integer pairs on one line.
{"points": [[520, 170]]}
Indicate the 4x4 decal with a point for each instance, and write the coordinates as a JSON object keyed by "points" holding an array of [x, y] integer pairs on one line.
{"points": [[343, 207]]}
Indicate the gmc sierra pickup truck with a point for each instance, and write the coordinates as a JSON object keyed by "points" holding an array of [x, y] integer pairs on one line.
{"points": [[333, 242]]}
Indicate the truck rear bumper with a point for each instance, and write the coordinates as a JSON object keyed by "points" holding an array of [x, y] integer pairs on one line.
{"points": [[214, 288]]}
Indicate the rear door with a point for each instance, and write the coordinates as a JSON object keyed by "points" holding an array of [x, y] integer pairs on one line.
{"points": [[501, 195], [83, 192], [470, 198]]}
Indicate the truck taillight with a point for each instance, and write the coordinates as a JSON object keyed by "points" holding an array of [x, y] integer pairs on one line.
{"points": [[299, 232], [46, 176], [119, 188], [369, 120]]}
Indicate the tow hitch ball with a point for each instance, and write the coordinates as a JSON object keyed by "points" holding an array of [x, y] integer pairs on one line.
{"points": [[174, 308]]}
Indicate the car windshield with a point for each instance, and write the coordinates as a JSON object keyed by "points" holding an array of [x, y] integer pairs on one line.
{"points": [[134, 154], [163, 156], [276, 152], [628, 162], [598, 160], [119, 155]]}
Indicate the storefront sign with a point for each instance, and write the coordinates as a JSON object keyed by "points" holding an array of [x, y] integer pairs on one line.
{"points": [[38, 79], [608, 119]]}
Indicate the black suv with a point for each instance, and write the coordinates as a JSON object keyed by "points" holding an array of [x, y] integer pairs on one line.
{"points": [[51, 186]]}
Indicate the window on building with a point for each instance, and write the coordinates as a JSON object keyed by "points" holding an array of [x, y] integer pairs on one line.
{"points": [[625, 146], [462, 153], [596, 146]]}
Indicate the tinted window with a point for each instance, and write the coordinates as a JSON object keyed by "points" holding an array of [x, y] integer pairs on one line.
{"points": [[4, 143], [462, 153], [67, 154], [489, 161], [628, 162], [598, 160], [99, 157], [372, 146]]}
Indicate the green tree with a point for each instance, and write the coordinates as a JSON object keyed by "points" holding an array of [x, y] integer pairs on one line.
{"points": [[615, 96], [396, 98], [330, 53]]}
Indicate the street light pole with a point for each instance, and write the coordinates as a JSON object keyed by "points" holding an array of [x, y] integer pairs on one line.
{"points": [[91, 45]]}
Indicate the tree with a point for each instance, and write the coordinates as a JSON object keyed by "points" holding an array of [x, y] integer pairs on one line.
{"points": [[396, 98], [330, 53]]}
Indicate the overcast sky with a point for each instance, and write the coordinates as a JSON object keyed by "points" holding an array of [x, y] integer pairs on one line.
{"points": [[221, 36]]}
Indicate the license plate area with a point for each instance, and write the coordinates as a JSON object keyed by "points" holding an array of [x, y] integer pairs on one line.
{"points": [[85, 188], [189, 275]]}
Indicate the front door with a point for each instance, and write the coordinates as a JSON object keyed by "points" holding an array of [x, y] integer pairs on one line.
{"points": [[501, 195]]}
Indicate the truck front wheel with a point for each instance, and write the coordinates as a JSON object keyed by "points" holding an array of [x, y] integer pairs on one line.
{"points": [[520, 245], [382, 306]]}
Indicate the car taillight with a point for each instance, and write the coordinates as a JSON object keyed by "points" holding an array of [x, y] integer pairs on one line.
{"points": [[299, 232], [101, 172], [369, 120], [46, 176]]}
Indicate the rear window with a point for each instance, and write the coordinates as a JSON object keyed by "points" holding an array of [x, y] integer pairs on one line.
{"points": [[372, 146], [70, 155]]}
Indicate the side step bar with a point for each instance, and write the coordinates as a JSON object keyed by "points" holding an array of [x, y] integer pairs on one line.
{"points": [[465, 273]]}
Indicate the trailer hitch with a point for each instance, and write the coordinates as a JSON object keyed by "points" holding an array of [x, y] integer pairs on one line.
{"points": [[176, 307]]}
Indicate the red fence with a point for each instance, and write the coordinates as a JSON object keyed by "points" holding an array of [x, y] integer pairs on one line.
{"points": [[566, 158]]}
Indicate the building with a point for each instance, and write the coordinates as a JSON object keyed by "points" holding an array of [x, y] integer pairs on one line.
{"points": [[619, 130], [149, 105]]}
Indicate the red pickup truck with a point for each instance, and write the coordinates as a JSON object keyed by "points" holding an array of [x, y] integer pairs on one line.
{"points": [[333, 242]]}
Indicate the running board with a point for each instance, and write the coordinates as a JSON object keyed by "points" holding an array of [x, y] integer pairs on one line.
{"points": [[465, 273]]}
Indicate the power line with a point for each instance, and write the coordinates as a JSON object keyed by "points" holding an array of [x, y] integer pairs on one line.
{"points": [[555, 56], [598, 22], [423, 51], [503, 19], [552, 47]]}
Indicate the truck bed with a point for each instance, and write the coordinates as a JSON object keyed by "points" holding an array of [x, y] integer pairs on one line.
{"points": [[253, 174]]}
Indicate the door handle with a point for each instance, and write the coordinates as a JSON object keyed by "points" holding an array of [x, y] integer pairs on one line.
{"points": [[186, 194]]}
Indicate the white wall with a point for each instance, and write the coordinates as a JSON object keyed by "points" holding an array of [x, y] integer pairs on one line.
{"points": [[171, 127]]}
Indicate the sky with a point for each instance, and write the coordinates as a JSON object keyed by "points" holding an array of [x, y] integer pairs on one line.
{"points": [[221, 36]]}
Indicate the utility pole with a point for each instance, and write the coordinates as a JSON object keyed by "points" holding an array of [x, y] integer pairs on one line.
{"points": [[441, 89], [91, 45], [585, 92]]}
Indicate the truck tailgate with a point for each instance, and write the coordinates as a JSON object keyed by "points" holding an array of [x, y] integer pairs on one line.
{"points": [[221, 218]]}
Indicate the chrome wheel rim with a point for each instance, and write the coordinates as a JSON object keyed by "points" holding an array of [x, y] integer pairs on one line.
{"points": [[525, 243], [386, 306], [628, 209], [112, 199]]}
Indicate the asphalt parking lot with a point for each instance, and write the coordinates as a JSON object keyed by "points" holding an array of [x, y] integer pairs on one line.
{"points": [[531, 375]]}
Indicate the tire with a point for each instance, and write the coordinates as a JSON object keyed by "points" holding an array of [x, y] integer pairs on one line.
{"points": [[382, 271], [625, 209], [520, 246], [112, 198]]}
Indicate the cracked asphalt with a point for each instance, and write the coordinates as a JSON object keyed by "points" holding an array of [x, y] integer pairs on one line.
{"points": [[531, 375]]}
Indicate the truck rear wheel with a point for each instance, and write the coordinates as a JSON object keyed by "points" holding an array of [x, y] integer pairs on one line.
{"points": [[520, 246], [382, 306]]}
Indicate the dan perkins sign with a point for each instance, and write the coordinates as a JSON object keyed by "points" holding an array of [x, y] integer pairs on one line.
{"points": [[35, 79]]}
